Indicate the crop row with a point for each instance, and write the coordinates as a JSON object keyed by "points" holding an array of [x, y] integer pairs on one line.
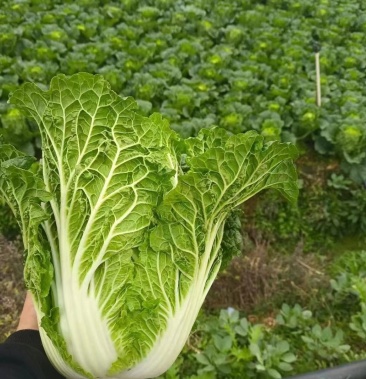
{"points": [[243, 64]]}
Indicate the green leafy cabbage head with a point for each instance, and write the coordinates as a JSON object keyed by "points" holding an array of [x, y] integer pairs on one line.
{"points": [[124, 223], [350, 137]]}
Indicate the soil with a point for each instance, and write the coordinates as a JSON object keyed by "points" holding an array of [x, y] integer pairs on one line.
{"points": [[261, 281], [12, 290]]}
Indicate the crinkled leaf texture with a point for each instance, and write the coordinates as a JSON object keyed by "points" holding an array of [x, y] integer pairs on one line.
{"points": [[123, 223]]}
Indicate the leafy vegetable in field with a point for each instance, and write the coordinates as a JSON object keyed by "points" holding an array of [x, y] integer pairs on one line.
{"points": [[243, 63], [125, 224]]}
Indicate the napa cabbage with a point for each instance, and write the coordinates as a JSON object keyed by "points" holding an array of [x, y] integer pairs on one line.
{"points": [[124, 223]]}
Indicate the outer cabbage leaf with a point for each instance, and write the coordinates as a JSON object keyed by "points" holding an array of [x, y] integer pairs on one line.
{"points": [[124, 223]]}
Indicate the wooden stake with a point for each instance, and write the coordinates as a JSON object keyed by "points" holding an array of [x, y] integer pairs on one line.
{"points": [[318, 83]]}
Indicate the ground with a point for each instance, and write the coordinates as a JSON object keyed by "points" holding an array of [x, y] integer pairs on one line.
{"points": [[12, 291]]}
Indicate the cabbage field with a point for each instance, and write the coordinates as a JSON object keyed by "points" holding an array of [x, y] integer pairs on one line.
{"points": [[241, 65], [294, 300]]}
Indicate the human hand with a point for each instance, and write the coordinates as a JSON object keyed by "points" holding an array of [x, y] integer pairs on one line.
{"points": [[28, 317]]}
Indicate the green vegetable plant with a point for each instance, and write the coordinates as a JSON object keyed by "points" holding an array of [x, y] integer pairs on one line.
{"points": [[330, 210], [325, 343], [319, 345], [349, 287], [126, 225], [233, 347]]}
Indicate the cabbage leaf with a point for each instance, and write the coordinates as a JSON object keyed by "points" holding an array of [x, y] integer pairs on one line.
{"points": [[123, 223]]}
